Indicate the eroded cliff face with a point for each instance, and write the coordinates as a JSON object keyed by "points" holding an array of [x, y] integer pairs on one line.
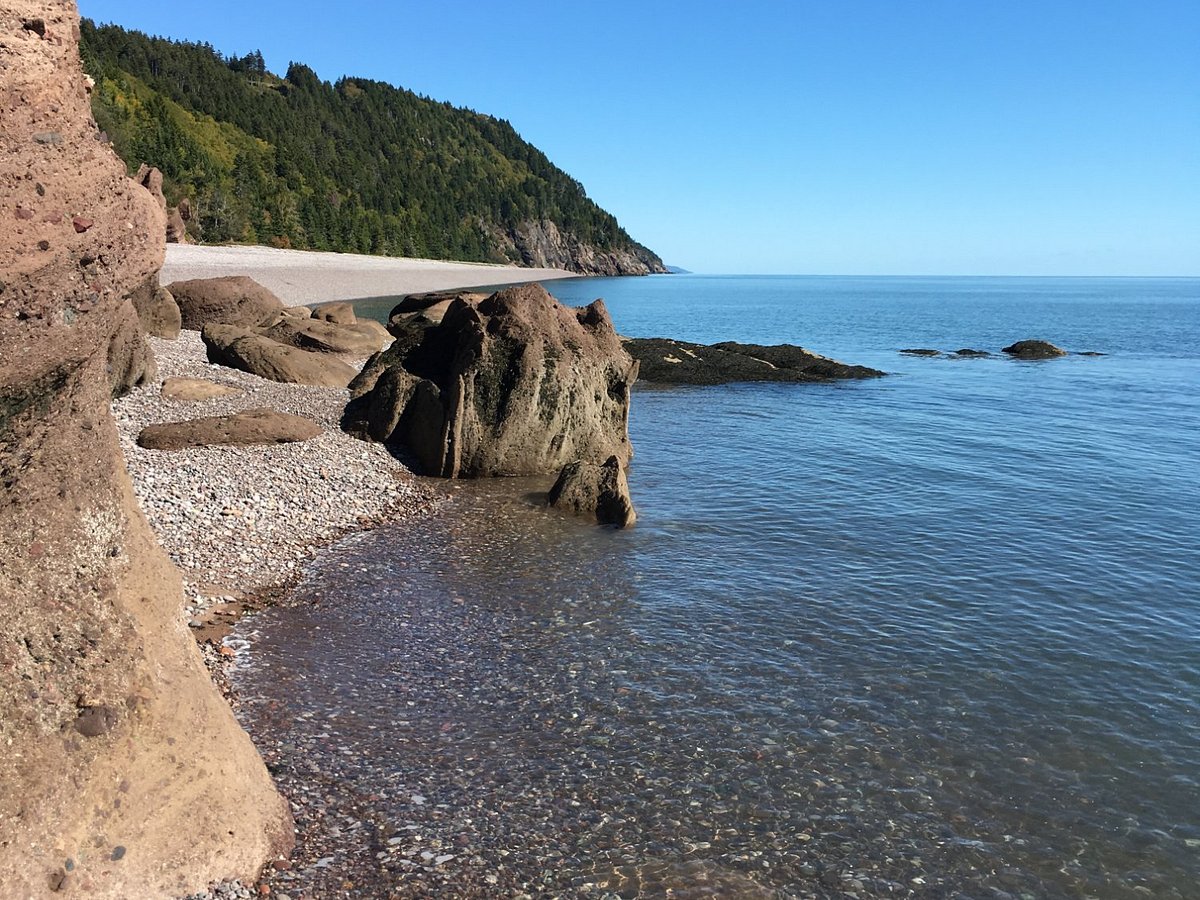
{"points": [[122, 771], [542, 244]]}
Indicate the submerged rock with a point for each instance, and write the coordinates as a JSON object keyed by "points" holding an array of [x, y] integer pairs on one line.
{"points": [[968, 352], [247, 428], [598, 491], [1034, 349], [666, 361], [516, 384], [921, 351]]}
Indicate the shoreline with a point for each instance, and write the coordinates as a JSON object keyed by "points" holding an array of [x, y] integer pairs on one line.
{"points": [[301, 277]]}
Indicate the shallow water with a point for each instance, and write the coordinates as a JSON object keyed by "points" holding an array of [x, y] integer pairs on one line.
{"points": [[936, 634]]}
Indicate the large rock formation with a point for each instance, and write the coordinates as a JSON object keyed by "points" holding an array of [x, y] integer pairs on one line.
{"points": [[229, 300], [323, 336], [241, 348], [122, 771], [517, 384], [664, 361]]}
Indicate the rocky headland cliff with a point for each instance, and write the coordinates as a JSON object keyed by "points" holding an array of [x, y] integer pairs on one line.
{"points": [[123, 772]]}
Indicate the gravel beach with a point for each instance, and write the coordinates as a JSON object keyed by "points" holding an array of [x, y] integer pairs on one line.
{"points": [[300, 277], [238, 520]]}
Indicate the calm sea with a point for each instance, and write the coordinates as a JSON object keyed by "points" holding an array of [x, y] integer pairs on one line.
{"points": [[936, 634]]}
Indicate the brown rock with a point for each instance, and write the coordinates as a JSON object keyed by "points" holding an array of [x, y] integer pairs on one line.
{"points": [[338, 313], [176, 229], [230, 300], [194, 390], [430, 307], [326, 337], [157, 310], [81, 223], [130, 360], [86, 593], [253, 426], [596, 491], [151, 179], [516, 385], [240, 348]]}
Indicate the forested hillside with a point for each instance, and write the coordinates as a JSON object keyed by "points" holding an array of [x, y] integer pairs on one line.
{"points": [[357, 165]]}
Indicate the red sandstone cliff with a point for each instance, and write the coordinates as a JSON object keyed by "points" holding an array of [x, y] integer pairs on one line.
{"points": [[122, 771]]}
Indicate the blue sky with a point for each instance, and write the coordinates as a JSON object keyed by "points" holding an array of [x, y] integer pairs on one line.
{"points": [[855, 137]]}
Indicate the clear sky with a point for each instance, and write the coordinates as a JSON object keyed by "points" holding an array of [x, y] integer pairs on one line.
{"points": [[833, 136]]}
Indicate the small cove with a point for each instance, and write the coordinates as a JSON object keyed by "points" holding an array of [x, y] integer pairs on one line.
{"points": [[933, 634]]}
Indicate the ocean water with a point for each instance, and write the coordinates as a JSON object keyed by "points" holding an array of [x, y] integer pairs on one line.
{"points": [[934, 635]]}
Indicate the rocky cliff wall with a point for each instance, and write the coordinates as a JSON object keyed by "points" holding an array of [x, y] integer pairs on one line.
{"points": [[542, 244], [122, 771]]}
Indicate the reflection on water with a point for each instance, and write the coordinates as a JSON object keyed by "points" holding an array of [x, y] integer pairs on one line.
{"points": [[936, 635]]}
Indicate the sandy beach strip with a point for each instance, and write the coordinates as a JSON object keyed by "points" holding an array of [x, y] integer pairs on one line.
{"points": [[301, 277]]}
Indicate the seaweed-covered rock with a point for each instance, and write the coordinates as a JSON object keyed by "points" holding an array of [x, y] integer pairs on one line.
{"points": [[665, 361], [1034, 349], [597, 491], [516, 384]]}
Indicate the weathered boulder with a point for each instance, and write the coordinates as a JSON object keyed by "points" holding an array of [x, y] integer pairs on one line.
{"points": [[176, 229], [193, 390], [151, 179], [296, 312], [241, 348], [229, 300], [156, 310], [122, 770], [324, 336], [598, 491], [665, 361], [1034, 349], [430, 307], [130, 359], [517, 384], [339, 313], [243, 429]]}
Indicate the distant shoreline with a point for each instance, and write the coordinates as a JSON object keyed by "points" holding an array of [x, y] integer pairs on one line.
{"points": [[300, 277]]}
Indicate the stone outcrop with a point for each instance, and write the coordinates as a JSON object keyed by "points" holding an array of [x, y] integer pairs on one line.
{"points": [[430, 307], [339, 313], [243, 429], [517, 384], [323, 336], [540, 243], [229, 300], [1034, 349], [664, 361], [241, 348], [122, 771], [600, 492], [156, 309], [151, 179], [130, 360], [195, 390]]}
